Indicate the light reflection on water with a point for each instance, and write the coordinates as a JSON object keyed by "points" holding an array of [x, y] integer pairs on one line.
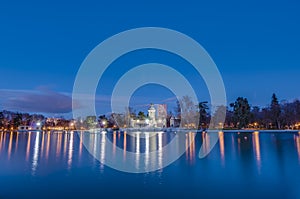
{"points": [[42, 144], [237, 157], [256, 147], [297, 141], [222, 147]]}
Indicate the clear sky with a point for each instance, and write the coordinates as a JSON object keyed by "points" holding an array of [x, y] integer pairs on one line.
{"points": [[255, 44]]}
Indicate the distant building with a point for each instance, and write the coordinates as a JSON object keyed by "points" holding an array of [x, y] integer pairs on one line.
{"points": [[174, 122], [157, 117]]}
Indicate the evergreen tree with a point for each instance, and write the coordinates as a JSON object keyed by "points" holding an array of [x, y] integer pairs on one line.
{"points": [[275, 111], [203, 107], [241, 112]]}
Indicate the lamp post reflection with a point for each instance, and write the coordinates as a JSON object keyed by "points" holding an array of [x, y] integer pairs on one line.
{"points": [[36, 153], [1, 140], [147, 150], [80, 145], [160, 148], [42, 145], [125, 146], [70, 150], [206, 142], [10, 144], [114, 143], [256, 146], [222, 147], [190, 147], [297, 140], [58, 145], [48, 145], [28, 146], [17, 142], [137, 154], [102, 150], [65, 144]]}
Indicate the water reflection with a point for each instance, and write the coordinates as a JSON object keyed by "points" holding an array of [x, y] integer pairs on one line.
{"points": [[222, 147], [41, 149], [70, 150], [42, 144], [297, 140], [58, 145], [48, 146], [256, 147], [1, 140], [35, 153], [102, 150], [28, 146], [10, 144], [206, 142], [125, 145], [17, 142], [190, 146]]}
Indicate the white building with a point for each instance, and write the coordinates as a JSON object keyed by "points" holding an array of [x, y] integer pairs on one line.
{"points": [[155, 118]]}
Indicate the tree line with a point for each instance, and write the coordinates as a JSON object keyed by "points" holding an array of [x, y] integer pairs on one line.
{"points": [[239, 114], [285, 115]]}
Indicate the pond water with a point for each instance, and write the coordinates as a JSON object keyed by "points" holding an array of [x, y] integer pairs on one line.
{"points": [[60, 165]]}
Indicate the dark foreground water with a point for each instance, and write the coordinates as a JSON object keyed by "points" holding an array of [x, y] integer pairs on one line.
{"points": [[57, 165]]}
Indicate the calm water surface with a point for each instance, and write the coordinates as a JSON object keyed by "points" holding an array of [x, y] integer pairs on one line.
{"points": [[58, 165]]}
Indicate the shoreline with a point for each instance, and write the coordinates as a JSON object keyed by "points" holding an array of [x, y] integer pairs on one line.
{"points": [[166, 130]]}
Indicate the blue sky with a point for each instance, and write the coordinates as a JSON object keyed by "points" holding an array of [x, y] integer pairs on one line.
{"points": [[255, 44]]}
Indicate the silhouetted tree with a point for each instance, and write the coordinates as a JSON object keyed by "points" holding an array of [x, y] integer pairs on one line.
{"points": [[1, 119], [241, 112], [141, 115], [275, 111], [178, 110], [202, 108]]}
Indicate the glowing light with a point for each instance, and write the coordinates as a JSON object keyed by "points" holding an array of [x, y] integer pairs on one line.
{"points": [[160, 147], [137, 156], [36, 153], [28, 146], [70, 151], [102, 150], [222, 146], [1, 139], [48, 145], [125, 145], [10, 144], [147, 150], [114, 143], [297, 140], [256, 146]]}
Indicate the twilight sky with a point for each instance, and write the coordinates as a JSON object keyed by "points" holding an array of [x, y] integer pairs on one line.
{"points": [[255, 44]]}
